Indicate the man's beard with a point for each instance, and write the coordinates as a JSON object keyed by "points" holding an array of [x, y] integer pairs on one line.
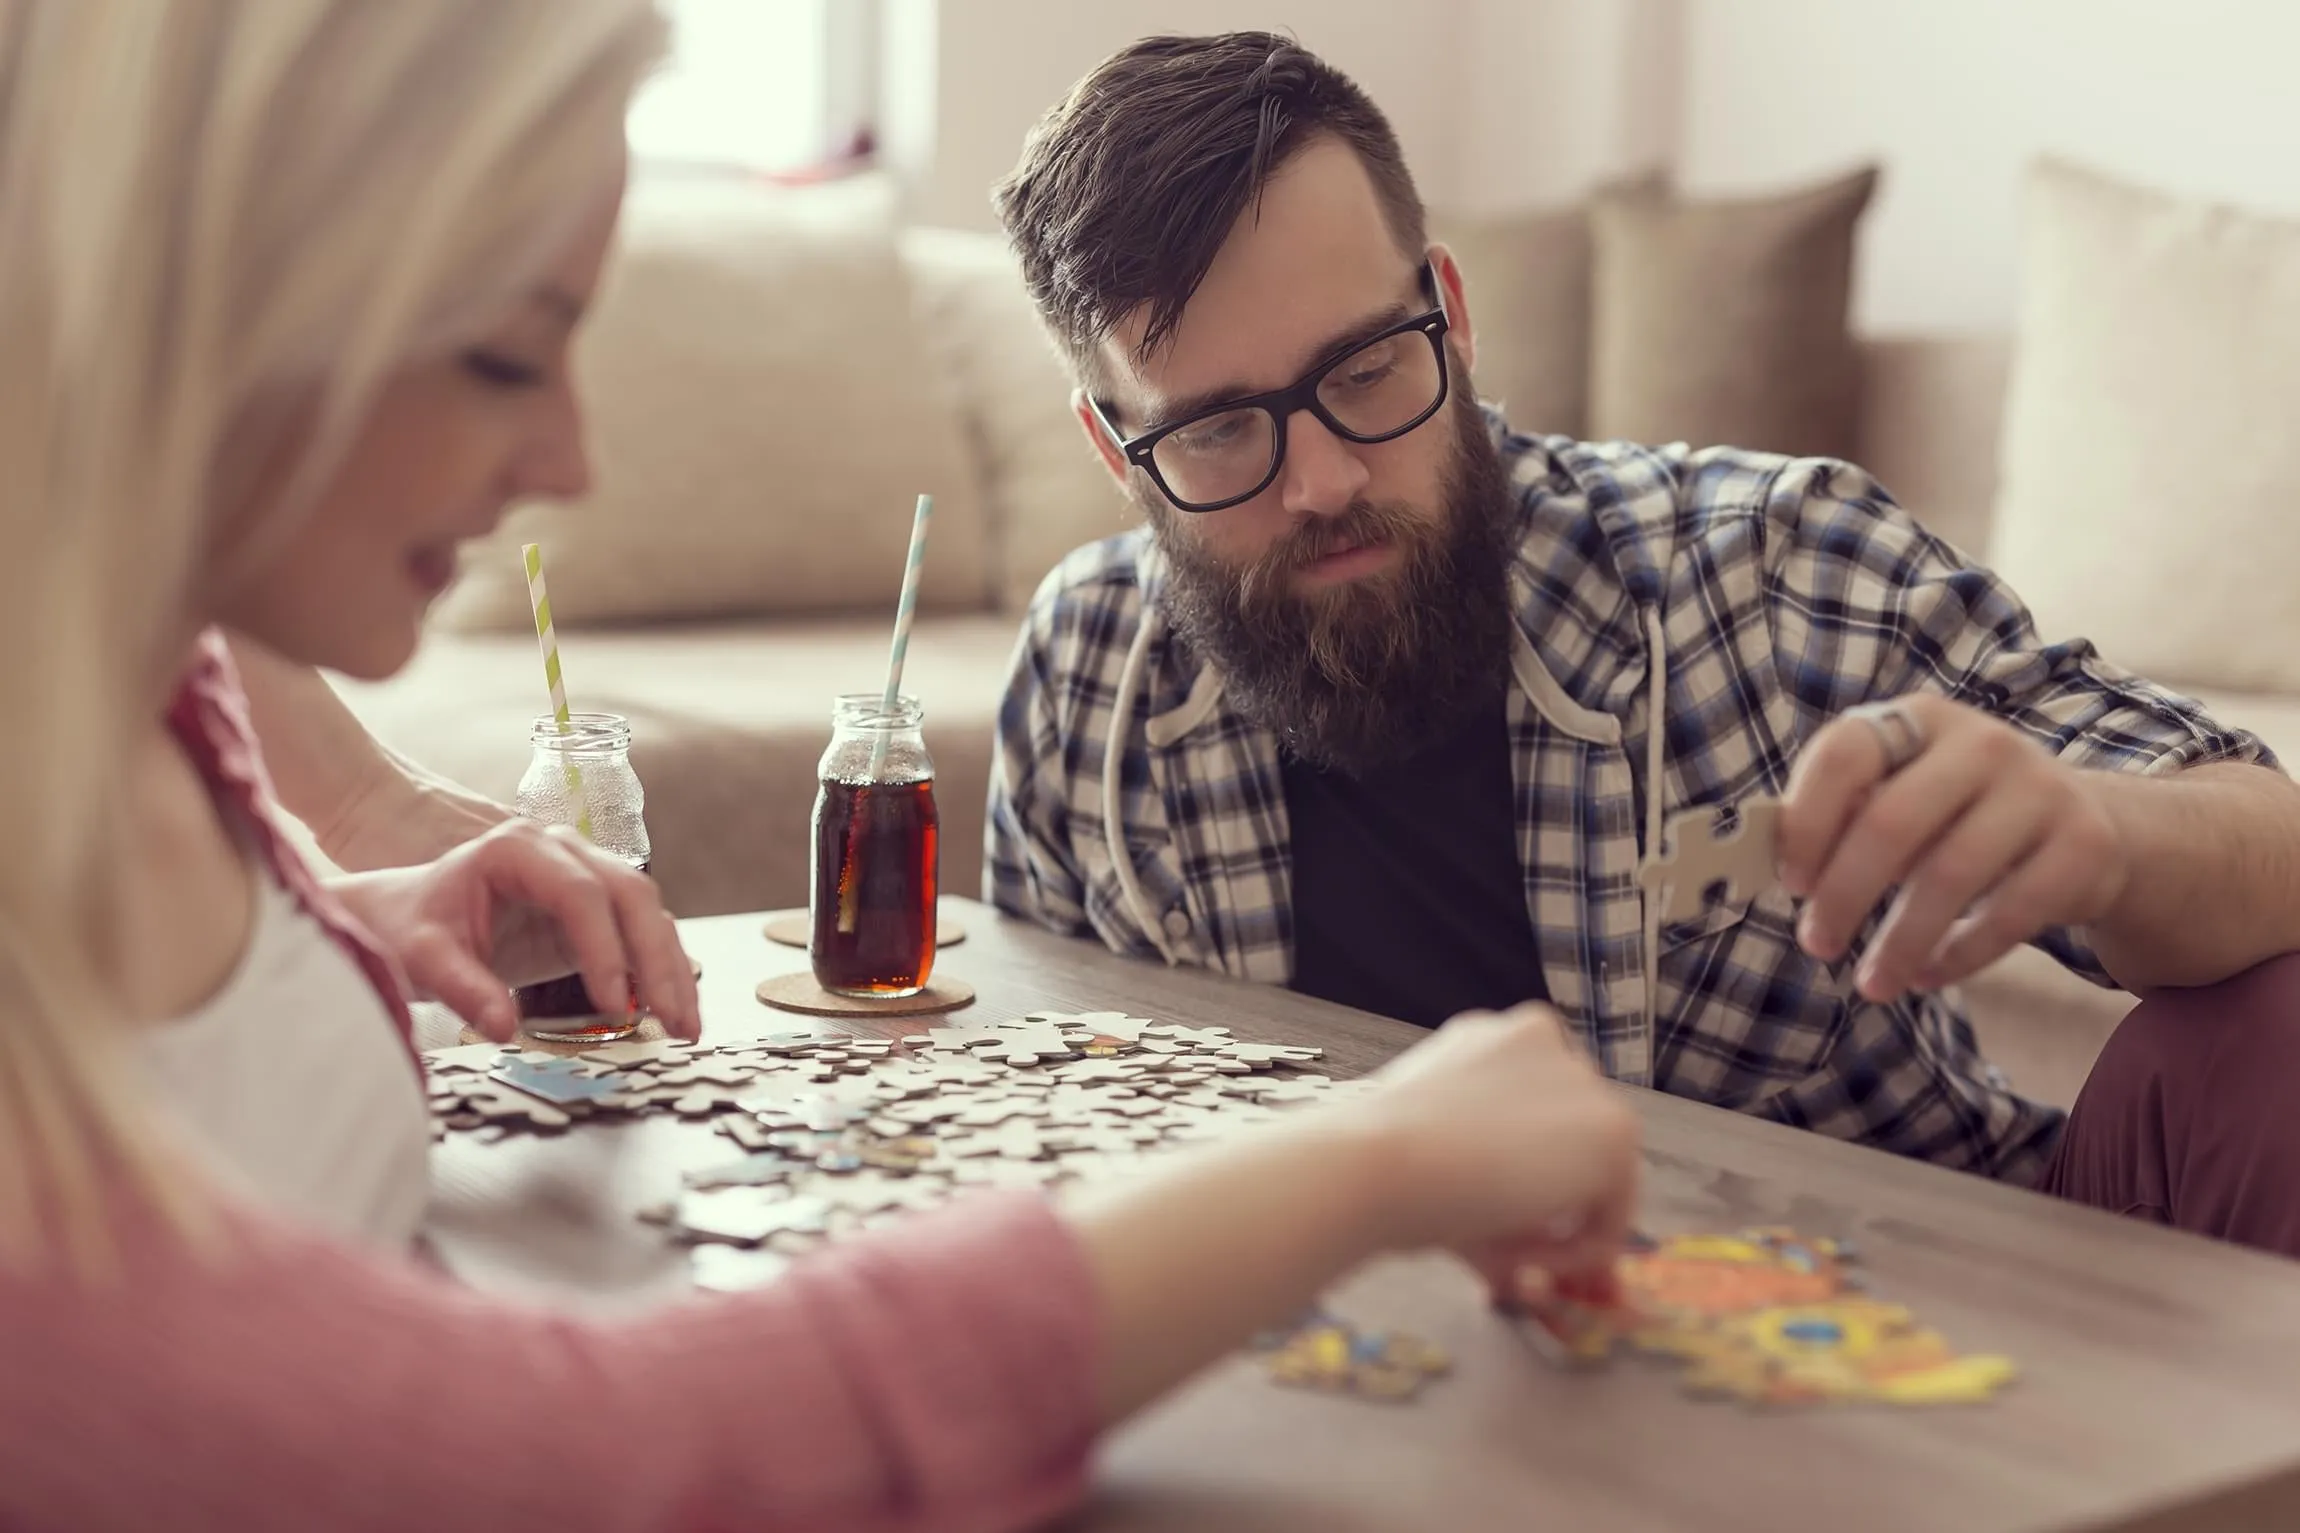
{"points": [[1355, 676]]}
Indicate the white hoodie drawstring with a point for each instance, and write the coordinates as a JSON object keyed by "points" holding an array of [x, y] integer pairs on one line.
{"points": [[1113, 800], [1146, 918], [1656, 762]]}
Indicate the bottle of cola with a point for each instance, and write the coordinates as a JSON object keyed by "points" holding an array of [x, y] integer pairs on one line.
{"points": [[877, 852]]}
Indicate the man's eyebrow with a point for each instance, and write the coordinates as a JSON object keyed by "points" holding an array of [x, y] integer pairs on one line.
{"points": [[563, 305], [1337, 346]]}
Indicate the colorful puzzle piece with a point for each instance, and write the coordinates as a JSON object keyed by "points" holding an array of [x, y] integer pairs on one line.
{"points": [[1324, 1352], [1764, 1316], [557, 1081]]}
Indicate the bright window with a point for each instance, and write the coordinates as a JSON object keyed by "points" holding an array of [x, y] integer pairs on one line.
{"points": [[764, 85]]}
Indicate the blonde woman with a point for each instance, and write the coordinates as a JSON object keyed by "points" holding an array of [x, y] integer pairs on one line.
{"points": [[286, 289]]}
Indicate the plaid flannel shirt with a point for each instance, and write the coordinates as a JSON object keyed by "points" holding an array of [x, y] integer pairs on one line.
{"points": [[1785, 591]]}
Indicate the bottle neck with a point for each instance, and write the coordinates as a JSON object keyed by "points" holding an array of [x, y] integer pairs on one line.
{"points": [[873, 743], [585, 735]]}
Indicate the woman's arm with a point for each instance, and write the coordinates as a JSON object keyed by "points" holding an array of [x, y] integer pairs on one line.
{"points": [[366, 805], [950, 1373], [935, 1377]]}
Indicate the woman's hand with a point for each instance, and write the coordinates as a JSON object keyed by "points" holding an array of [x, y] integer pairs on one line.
{"points": [[1498, 1140], [1494, 1139], [525, 902], [405, 820]]}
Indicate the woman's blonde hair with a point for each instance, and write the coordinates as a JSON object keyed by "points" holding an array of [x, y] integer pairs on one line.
{"points": [[219, 220]]}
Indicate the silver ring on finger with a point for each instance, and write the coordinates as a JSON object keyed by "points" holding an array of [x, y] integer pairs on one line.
{"points": [[1900, 736]]}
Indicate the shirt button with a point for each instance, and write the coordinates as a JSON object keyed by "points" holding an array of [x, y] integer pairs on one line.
{"points": [[1177, 923]]}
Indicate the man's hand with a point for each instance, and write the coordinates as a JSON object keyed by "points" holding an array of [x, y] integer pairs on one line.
{"points": [[1987, 838], [521, 903]]}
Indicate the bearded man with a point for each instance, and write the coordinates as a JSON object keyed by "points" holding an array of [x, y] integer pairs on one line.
{"points": [[1389, 702]]}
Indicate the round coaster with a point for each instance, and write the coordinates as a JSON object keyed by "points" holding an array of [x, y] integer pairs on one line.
{"points": [[795, 928], [799, 992], [650, 1031]]}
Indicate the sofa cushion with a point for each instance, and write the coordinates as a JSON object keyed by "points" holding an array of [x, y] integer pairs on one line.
{"points": [[1930, 412], [1528, 279], [1724, 321], [2149, 452], [762, 417], [1045, 489], [728, 722]]}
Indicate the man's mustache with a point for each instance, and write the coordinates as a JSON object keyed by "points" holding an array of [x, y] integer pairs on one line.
{"points": [[1316, 537]]}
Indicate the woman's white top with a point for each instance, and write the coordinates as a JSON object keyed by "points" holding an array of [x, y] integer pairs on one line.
{"points": [[294, 1077]]}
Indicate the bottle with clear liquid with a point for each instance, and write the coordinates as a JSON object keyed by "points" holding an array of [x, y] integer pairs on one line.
{"points": [[583, 773]]}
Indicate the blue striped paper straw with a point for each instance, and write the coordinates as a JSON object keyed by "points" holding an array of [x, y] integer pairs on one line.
{"points": [[903, 614]]}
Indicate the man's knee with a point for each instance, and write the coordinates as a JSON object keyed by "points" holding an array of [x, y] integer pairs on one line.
{"points": [[2241, 1036]]}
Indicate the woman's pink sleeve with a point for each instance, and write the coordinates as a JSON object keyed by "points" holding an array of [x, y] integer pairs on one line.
{"points": [[937, 1376]]}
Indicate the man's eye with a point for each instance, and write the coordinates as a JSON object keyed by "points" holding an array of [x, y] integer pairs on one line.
{"points": [[1369, 368], [1214, 434], [501, 371]]}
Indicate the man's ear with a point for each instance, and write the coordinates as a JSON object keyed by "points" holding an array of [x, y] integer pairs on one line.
{"points": [[1091, 424], [1453, 294]]}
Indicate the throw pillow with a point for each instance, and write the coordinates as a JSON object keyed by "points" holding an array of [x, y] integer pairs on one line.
{"points": [[1044, 487], [762, 420], [1724, 322], [2150, 455], [1528, 277]]}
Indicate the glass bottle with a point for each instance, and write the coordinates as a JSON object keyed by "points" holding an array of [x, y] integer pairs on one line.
{"points": [[877, 852], [580, 776]]}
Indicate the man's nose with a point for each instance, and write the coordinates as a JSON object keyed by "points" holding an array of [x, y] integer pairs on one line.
{"points": [[1323, 474]]}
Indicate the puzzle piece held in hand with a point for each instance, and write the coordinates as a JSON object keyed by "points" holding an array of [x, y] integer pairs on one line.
{"points": [[1699, 858]]}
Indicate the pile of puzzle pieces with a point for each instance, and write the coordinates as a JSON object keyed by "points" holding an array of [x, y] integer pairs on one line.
{"points": [[1763, 1316], [836, 1134]]}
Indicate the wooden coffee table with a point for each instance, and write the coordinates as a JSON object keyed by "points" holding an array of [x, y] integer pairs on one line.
{"points": [[2161, 1373]]}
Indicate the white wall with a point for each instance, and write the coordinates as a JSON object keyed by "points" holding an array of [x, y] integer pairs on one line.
{"points": [[1505, 104], [1499, 104], [1562, 95], [999, 64], [2200, 97]]}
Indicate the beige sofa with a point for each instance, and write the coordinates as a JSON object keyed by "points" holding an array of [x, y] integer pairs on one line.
{"points": [[730, 715]]}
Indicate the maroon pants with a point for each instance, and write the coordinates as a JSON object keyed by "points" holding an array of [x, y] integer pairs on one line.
{"points": [[2191, 1117]]}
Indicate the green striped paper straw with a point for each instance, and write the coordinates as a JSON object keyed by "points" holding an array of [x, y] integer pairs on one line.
{"points": [[548, 637]]}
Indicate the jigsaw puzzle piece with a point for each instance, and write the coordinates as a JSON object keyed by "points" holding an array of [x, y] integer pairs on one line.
{"points": [[1698, 857]]}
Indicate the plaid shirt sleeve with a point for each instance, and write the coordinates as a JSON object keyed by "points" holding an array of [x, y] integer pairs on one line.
{"points": [[1867, 605], [1027, 867]]}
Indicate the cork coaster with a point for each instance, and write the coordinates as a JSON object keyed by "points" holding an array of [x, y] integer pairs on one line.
{"points": [[650, 1031], [795, 928], [799, 992]]}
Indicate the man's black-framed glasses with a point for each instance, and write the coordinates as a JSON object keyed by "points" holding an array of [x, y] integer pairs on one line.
{"points": [[1377, 389]]}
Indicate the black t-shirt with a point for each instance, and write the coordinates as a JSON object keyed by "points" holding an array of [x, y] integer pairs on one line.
{"points": [[1409, 900]]}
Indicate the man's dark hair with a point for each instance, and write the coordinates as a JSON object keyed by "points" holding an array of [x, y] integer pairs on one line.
{"points": [[1128, 187]]}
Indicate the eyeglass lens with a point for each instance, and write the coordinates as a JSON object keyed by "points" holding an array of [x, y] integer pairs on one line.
{"points": [[1372, 392]]}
